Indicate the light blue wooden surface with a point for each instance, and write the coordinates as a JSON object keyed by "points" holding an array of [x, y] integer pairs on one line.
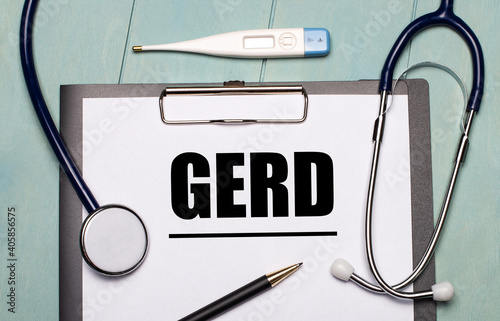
{"points": [[82, 42]]}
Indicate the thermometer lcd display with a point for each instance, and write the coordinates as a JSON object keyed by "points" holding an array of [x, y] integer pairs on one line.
{"points": [[258, 42]]}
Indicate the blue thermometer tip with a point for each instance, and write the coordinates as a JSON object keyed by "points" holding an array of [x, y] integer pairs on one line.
{"points": [[317, 42]]}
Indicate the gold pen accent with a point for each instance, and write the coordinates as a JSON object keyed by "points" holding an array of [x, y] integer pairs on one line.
{"points": [[277, 276], [137, 48]]}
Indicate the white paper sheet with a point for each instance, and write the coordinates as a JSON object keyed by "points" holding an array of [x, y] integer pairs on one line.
{"points": [[127, 159]]}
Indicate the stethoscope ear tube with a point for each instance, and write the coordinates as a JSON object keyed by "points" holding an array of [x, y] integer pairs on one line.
{"points": [[113, 240], [341, 269], [443, 16], [57, 144]]}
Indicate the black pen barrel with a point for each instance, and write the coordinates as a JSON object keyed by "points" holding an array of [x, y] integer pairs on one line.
{"points": [[230, 301]]}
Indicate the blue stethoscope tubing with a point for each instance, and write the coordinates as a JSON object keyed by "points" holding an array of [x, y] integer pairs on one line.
{"points": [[443, 16], [107, 246], [26, 42]]}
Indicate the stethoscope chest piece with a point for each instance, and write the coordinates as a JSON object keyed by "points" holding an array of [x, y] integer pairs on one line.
{"points": [[113, 240]]}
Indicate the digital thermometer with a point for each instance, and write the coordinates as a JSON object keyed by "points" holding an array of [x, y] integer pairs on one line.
{"points": [[261, 43]]}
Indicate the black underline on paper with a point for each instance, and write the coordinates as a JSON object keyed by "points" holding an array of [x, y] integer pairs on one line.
{"points": [[254, 234]]}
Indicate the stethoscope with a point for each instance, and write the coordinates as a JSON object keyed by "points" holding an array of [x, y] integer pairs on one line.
{"points": [[113, 238], [341, 268]]}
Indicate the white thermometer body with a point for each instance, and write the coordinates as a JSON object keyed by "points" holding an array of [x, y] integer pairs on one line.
{"points": [[261, 43]]}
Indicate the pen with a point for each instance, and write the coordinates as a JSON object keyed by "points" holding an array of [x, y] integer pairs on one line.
{"points": [[241, 295]]}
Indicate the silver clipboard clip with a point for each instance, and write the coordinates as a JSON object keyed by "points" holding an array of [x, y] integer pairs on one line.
{"points": [[234, 87]]}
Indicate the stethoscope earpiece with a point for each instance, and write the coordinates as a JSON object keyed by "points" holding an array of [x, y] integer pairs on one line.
{"points": [[442, 291], [113, 240], [342, 270]]}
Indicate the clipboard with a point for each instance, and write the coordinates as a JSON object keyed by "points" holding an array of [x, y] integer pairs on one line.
{"points": [[420, 158]]}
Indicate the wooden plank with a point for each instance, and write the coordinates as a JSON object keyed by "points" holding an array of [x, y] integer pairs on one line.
{"points": [[186, 20], [75, 42], [361, 32], [468, 253], [81, 42], [471, 237]]}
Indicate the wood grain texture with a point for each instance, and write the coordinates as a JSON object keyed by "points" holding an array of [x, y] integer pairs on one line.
{"points": [[75, 42], [361, 35], [185, 20], [468, 254], [90, 42]]}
